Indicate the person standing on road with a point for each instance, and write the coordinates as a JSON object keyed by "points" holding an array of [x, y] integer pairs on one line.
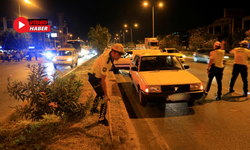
{"points": [[4, 56], [215, 68], [97, 79], [241, 55]]}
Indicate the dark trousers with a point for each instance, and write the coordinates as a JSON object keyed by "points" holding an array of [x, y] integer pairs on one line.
{"points": [[97, 86], [217, 73], [242, 69]]}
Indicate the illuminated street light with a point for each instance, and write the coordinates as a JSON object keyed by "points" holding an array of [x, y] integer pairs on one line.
{"points": [[19, 7], [131, 33], [153, 16], [27, 1], [160, 4]]}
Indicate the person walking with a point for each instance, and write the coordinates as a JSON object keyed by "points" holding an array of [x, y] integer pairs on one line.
{"points": [[215, 68], [5, 55], [241, 55], [18, 56], [97, 79]]}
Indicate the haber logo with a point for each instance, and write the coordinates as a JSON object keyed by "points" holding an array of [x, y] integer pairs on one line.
{"points": [[22, 25]]}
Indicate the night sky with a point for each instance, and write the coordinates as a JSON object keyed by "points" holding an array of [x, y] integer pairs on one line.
{"points": [[176, 15]]}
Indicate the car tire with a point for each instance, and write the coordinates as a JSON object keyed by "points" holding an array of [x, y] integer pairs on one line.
{"points": [[191, 103], [76, 64], [142, 98]]}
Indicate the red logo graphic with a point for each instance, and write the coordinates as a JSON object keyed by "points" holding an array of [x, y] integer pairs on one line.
{"points": [[22, 25]]}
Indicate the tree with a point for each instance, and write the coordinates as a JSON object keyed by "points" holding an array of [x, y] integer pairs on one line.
{"points": [[170, 40], [15, 40], [200, 38], [100, 38]]}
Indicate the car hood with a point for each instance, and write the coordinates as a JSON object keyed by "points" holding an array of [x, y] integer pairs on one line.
{"points": [[62, 57], [177, 54], [168, 77]]}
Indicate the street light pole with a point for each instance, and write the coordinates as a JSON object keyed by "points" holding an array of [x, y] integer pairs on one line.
{"points": [[153, 21], [131, 34], [19, 10]]}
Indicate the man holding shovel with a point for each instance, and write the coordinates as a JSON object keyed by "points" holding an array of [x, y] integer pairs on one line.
{"points": [[97, 79]]}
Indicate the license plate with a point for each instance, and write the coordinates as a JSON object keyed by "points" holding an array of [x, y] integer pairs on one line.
{"points": [[178, 97]]}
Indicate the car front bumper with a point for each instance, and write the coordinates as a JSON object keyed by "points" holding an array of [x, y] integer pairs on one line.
{"points": [[184, 96], [62, 62]]}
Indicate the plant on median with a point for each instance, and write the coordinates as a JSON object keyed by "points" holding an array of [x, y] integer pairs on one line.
{"points": [[43, 96]]}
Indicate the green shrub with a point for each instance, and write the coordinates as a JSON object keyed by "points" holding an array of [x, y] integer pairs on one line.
{"points": [[59, 97]]}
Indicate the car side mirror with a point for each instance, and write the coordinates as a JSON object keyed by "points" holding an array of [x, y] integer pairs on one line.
{"points": [[186, 66], [134, 69]]}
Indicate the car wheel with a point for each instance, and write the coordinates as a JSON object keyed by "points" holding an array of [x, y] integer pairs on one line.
{"points": [[195, 59], [76, 64], [71, 66], [142, 98], [191, 103]]}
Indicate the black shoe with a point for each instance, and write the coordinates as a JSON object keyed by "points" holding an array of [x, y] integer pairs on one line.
{"points": [[104, 122], [217, 97], [231, 91], [244, 95], [94, 110]]}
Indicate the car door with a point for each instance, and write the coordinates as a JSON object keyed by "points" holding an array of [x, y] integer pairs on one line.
{"points": [[134, 74]]}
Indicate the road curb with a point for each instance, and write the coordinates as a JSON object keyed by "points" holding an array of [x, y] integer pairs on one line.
{"points": [[130, 128]]}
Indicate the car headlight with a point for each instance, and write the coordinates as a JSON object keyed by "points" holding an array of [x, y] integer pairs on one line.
{"points": [[49, 55], [226, 57], [153, 89], [69, 59], [196, 87], [184, 56]]}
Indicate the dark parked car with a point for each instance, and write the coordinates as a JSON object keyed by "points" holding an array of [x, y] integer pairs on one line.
{"points": [[202, 55]]}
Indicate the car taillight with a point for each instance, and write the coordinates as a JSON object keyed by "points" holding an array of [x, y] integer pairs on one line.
{"points": [[194, 53]]}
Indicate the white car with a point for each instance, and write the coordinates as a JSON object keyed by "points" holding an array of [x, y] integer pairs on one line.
{"points": [[65, 56], [162, 77], [177, 53]]}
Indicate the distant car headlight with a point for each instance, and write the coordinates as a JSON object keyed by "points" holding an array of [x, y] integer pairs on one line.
{"points": [[184, 56], [54, 59], [69, 59], [153, 89], [196, 87], [226, 57], [49, 55]]}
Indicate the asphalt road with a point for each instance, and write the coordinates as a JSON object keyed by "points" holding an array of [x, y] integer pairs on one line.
{"points": [[209, 124], [19, 72]]}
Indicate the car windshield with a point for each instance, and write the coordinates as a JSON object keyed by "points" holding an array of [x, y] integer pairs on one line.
{"points": [[64, 53], [173, 51], [149, 63], [51, 51]]}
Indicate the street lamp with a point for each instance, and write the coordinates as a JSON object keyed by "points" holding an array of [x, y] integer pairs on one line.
{"points": [[19, 8], [160, 4], [131, 34]]}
